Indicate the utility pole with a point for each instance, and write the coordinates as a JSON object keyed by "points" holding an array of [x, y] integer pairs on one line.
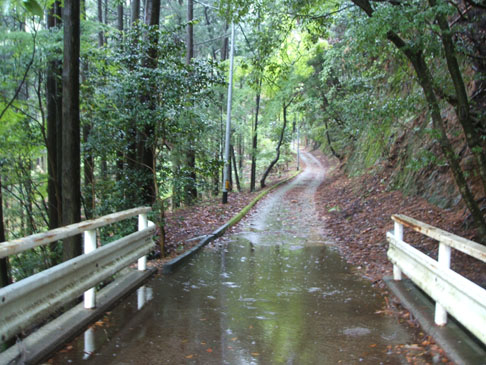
{"points": [[298, 147], [226, 170]]}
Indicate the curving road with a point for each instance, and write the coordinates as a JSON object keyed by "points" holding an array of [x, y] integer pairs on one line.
{"points": [[275, 293]]}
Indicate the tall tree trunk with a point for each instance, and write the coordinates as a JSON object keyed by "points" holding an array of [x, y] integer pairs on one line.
{"points": [[190, 31], [329, 141], [29, 197], [225, 45], [54, 133], [4, 271], [146, 148], [190, 192], [241, 152], [119, 152], [119, 19], [210, 30], [59, 122], [53, 99], [275, 160], [235, 168], [71, 175], [216, 175], [101, 35], [88, 170], [131, 155], [88, 156], [135, 12], [255, 138], [224, 55], [102, 42], [105, 17], [190, 189], [473, 137]]}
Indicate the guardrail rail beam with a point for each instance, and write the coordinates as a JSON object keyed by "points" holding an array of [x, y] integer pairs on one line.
{"points": [[452, 293], [28, 302]]}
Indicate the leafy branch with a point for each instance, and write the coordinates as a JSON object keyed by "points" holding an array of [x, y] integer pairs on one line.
{"points": [[19, 88]]}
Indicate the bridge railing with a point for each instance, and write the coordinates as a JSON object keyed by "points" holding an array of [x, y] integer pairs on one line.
{"points": [[32, 300], [453, 293]]}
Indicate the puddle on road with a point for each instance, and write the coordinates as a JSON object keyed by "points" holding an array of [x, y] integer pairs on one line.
{"points": [[280, 305], [254, 298]]}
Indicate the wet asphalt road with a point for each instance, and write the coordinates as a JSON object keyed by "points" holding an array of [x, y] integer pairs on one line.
{"points": [[277, 292]]}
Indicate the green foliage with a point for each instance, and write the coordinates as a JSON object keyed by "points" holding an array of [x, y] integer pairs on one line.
{"points": [[357, 96], [113, 103], [31, 6], [114, 81], [341, 81]]}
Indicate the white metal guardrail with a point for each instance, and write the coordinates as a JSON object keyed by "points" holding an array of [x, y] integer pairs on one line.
{"points": [[453, 293], [31, 300]]}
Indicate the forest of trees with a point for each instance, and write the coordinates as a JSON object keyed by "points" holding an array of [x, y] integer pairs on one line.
{"points": [[111, 104]]}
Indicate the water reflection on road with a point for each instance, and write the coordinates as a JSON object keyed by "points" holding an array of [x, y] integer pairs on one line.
{"points": [[275, 293]]}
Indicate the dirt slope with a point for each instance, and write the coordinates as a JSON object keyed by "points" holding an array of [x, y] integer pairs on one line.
{"points": [[355, 213]]}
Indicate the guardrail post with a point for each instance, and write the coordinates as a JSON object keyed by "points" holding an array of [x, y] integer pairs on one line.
{"points": [[444, 259], [398, 232], [142, 224], [89, 246], [89, 343], [140, 297]]}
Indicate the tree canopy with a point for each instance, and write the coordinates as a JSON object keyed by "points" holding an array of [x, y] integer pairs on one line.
{"points": [[372, 83]]}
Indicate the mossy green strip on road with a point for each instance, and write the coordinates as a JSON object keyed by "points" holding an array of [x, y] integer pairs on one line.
{"points": [[169, 267], [246, 209]]}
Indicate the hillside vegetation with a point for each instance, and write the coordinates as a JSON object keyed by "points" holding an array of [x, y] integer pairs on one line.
{"points": [[400, 86]]}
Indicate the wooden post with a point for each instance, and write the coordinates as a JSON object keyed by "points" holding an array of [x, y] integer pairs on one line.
{"points": [[89, 246], [444, 259], [397, 272], [142, 224]]}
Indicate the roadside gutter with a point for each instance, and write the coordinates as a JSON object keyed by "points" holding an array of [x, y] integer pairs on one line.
{"points": [[171, 265]]}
